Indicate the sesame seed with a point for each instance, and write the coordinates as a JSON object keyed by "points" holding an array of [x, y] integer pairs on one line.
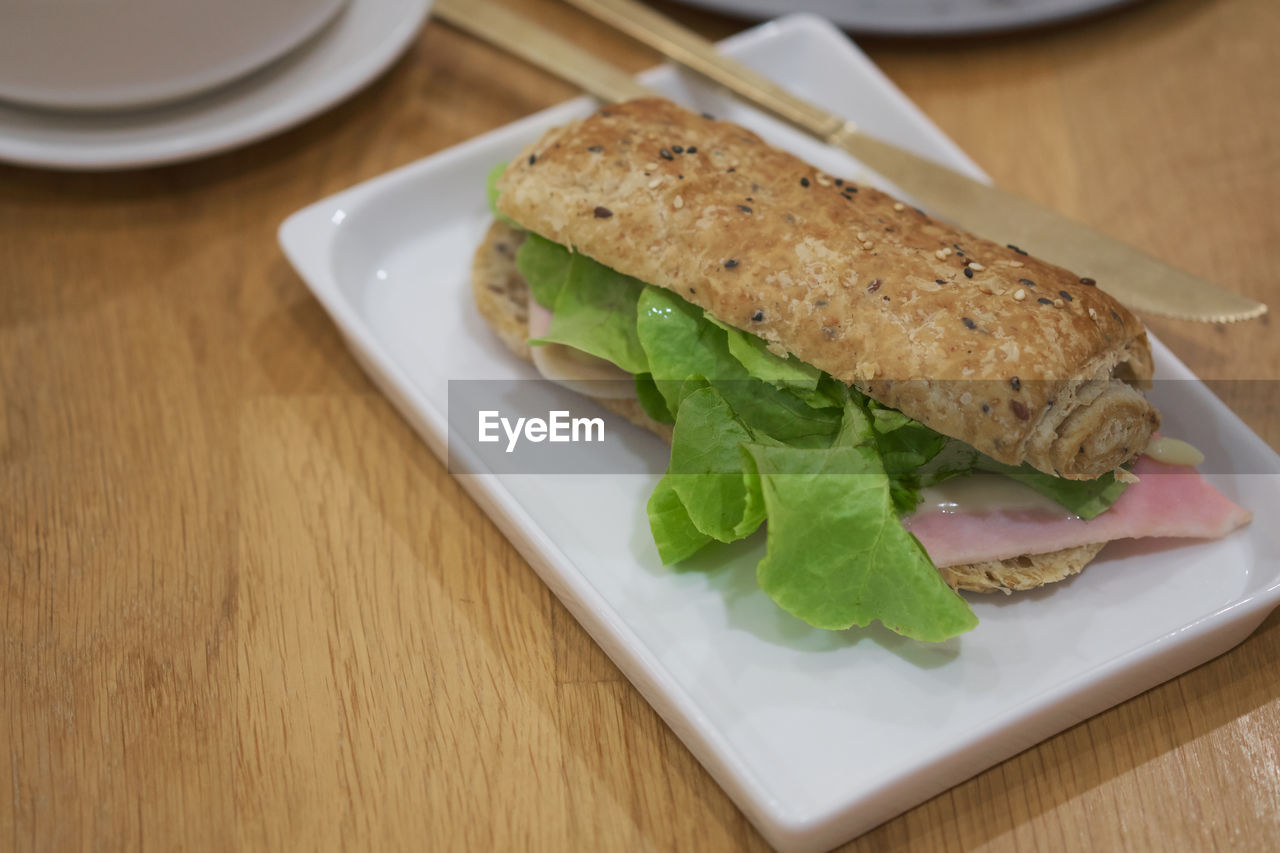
{"points": [[942, 254], [938, 281], [744, 208], [757, 317], [804, 182], [665, 154], [731, 263], [679, 149], [1088, 282], [656, 182], [709, 116], [976, 267], [678, 202], [824, 180], [1019, 294], [1093, 314], [1044, 301], [1028, 282], [533, 158], [692, 149], [899, 206], [1065, 295], [968, 324], [1015, 383], [603, 213], [595, 149], [1119, 319], [873, 286], [1016, 249], [1019, 409], [985, 408], [1058, 303], [968, 273], [867, 244], [839, 182]]}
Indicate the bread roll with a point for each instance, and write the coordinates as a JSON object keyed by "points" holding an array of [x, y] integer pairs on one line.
{"points": [[1019, 358]]}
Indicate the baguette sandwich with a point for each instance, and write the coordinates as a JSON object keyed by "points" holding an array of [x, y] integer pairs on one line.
{"points": [[830, 360]]}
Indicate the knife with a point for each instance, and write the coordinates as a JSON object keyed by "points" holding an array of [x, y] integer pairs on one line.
{"points": [[1135, 278]]}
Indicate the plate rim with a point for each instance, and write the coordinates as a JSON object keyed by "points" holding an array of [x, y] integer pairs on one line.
{"points": [[887, 25]]}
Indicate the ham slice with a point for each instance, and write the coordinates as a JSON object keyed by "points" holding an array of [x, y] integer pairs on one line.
{"points": [[1168, 500]]}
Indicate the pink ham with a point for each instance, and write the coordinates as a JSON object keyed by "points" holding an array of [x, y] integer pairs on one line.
{"points": [[1168, 500]]}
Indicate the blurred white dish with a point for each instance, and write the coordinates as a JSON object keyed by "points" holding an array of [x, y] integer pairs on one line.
{"points": [[361, 42], [920, 17], [89, 55]]}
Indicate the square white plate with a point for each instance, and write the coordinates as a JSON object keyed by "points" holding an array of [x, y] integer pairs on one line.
{"points": [[817, 736]]}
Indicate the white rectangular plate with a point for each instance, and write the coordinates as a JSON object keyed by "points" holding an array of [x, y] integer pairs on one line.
{"points": [[816, 735]]}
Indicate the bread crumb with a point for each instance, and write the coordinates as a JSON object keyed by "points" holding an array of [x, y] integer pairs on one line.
{"points": [[1021, 294]]}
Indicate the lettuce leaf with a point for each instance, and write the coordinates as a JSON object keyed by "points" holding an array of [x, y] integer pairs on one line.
{"points": [[594, 307], [545, 267], [706, 471], [836, 554], [1085, 498], [673, 530], [681, 342], [491, 193], [651, 399], [754, 355]]}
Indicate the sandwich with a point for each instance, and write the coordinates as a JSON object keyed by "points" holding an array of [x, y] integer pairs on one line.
{"points": [[908, 409]]}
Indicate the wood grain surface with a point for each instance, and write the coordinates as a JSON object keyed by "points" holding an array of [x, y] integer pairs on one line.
{"points": [[244, 606]]}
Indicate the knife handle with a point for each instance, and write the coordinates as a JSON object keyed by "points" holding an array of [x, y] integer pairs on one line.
{"points": [[696, 53], [532, 43]]}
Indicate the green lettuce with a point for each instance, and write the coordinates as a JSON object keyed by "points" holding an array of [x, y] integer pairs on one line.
{"points": [[837, 555], [761, 437], [1085, 498], [600, 320]]}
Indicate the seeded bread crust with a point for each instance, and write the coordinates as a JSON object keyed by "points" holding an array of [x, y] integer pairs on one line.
{"points": [[1019, 358], [502, 298]]}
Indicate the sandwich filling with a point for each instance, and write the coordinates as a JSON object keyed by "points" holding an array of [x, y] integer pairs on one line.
{"points": [[855, 530]]}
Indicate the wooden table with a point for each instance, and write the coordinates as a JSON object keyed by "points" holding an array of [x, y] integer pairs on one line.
{"points": [[245, 606]]}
